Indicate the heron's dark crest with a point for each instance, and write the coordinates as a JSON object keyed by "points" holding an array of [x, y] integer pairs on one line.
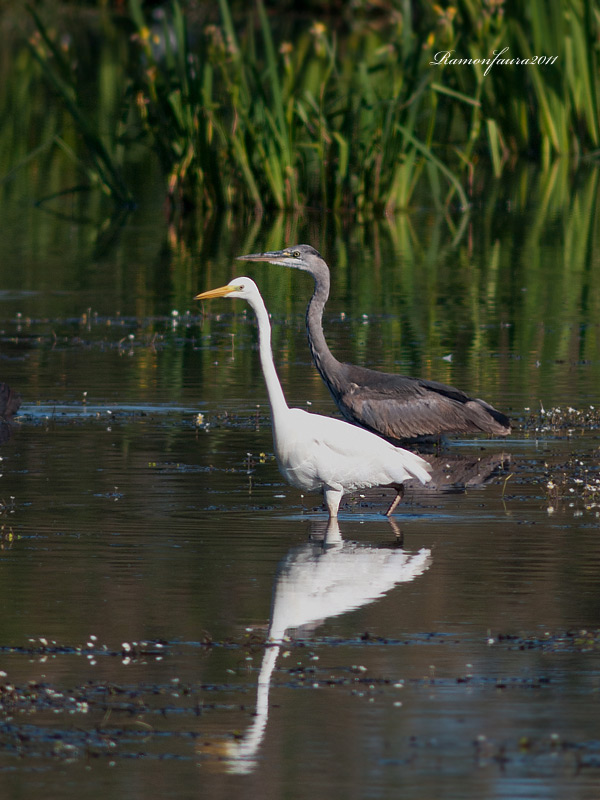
{"points": [[396, 407]]}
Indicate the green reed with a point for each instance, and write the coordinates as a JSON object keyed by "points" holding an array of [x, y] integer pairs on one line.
{"points": [[240, 120], [240, 114], [546, 109]]}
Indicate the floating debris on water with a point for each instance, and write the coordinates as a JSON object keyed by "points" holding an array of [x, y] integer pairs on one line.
{"points": [[576, 483], [562, 420]]}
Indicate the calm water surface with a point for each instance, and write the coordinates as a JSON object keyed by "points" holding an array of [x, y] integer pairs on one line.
{"points": [[147, 553]]}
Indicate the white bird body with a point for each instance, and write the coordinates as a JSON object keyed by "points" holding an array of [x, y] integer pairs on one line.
{"points": [[317, 453], [314, 452]]}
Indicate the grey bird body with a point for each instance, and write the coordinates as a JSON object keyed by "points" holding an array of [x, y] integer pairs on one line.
{"points": [[397, 407]]}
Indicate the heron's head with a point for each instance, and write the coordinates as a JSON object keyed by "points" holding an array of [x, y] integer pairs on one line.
{"points": [[238, 287], [299, 256]]}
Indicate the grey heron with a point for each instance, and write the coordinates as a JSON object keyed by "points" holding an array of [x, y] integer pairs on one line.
{"points": [[396, 407]]}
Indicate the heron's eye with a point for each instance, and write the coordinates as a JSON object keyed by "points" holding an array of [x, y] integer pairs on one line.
{"points": [[296, 253]]}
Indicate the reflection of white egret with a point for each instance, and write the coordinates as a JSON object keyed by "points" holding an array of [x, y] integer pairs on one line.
{"points": [[315, 581], [320, 580], [321, 453]]}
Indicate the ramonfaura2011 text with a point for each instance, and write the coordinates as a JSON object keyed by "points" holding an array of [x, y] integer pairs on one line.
{"points": [[445, 57]]}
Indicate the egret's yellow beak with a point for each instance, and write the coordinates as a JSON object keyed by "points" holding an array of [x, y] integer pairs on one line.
{"points": [[222, 291]]}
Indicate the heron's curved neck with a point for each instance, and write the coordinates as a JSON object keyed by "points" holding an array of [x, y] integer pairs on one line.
{"points": [[324, 359], [277, 400]]}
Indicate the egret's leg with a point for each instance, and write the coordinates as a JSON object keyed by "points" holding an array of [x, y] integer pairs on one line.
{"points": [[399, 487], [333, 498]]}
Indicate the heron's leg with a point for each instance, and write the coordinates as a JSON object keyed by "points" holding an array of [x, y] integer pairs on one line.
{"points": [[399, 487], [333, 498]]}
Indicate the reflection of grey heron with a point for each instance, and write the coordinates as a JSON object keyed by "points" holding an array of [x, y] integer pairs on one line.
{"points": [[394, 406], [316, 581], [320, 453], [455, 472], [451, 472]]}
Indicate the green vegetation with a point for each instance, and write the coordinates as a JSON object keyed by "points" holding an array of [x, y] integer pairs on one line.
{"points": [[258, 113]]}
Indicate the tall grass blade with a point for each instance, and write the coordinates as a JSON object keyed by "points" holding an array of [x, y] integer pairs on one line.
{"points": [[494, 140]]}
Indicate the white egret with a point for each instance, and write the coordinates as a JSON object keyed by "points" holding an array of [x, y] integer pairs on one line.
{"points": [[317, 453]]}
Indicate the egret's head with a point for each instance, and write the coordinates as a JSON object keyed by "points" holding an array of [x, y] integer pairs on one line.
{"points": [[238, 287], [299, 256]]}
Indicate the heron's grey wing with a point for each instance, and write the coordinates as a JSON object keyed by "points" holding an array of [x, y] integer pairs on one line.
{"points": [[399, 407]]}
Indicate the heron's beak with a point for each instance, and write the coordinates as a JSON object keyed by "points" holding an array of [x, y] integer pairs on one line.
{"points": [[222, 291], [273, 256]]}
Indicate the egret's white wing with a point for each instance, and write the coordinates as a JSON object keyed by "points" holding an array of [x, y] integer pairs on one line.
{"points": [[314, 451]]}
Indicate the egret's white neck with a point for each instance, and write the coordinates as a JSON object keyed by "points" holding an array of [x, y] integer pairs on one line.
{"points": [[279, 406]]}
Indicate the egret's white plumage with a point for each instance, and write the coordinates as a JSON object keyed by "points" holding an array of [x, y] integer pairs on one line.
{"points": [[315, 452]]}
